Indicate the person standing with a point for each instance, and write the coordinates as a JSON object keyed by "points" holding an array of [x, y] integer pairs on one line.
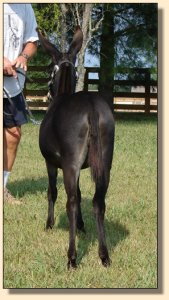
{"points": [[20, 45]]}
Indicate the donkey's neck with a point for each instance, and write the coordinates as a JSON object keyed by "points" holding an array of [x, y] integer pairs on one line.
{"points": [[66, 84]]}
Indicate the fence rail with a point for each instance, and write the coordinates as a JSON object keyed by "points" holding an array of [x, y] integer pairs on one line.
{"points": [[145, 101]]}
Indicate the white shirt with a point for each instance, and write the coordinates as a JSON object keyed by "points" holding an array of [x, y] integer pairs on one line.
{"points": [[19, 28]]}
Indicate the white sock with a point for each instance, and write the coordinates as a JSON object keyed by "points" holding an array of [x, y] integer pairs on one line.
{"points": [[6, 176]]}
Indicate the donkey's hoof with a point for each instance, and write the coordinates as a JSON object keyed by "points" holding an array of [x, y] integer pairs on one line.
{"points": [[71, 264], [49, 224], [80, 226], [106, 262]]}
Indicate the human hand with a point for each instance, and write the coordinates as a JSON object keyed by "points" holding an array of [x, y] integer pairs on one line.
{"points": [[8, 68], [20, 62]]}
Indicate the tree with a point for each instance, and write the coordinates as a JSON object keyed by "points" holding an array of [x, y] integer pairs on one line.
{"points": [[81, 14], [128, 39], [107, 54], [84, 22], [122, 35], [48, 17], [136, 34], [59, 21]]}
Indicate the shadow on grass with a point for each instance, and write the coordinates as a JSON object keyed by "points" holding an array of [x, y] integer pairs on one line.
{"points": [[115, 232], [30, 186]]}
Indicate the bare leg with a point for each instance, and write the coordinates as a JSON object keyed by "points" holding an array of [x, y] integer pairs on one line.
{"points": [[12, 138]]}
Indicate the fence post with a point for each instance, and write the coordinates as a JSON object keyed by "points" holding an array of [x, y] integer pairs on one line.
{"points": [[147, 91], [86, 80]]}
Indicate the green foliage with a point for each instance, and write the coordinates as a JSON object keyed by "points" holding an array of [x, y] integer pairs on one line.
{"points": [[136, 35], [48, 17], [126, 38], [35, 258], [134, 30]]}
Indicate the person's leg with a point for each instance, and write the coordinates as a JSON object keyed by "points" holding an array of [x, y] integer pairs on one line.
{"points": [[11, 141], [13, 119]]}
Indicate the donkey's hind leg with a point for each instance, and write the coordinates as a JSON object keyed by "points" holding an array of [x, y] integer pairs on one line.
{"points": [[99, 211], [52, 193], [80, 223], [71, 175]]}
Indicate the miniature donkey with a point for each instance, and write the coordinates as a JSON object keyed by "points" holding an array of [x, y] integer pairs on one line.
{"points": [[77, 132]]}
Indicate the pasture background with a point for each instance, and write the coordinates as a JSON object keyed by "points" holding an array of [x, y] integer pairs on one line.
{"points": [[35, 258]]}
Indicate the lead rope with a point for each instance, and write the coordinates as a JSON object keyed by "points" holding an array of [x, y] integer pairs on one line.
{"points": [[31, 117]]}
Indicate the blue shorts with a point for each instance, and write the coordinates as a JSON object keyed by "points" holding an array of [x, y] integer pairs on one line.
{"points": [[16, 114]]}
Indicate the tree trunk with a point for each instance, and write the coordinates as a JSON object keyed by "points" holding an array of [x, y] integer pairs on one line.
{"points": [[85, 29], [107, 54], [63, 28]]}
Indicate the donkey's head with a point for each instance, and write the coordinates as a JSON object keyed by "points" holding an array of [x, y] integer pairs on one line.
{"points": [[63, 76]]}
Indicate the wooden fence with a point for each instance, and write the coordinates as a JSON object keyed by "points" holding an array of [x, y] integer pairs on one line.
{"points": [[144, 101]]}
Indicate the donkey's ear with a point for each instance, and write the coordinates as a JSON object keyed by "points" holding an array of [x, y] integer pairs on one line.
{"points": [[77, 41], [49, 47]]}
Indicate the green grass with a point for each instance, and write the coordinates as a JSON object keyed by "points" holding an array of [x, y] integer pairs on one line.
{"points": [[35, 258]]}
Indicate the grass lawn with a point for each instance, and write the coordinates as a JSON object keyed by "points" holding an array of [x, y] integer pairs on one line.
{"points": [[35, 258]]}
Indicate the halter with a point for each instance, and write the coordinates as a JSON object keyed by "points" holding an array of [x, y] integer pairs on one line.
{"points": [[66, 61], [56, 69]]}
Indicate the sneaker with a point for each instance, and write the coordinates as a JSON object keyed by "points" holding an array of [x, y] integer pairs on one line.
{"points": [[9, 198]]}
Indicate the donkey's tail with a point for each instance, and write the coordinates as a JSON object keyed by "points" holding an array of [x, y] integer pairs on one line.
{"points": [[95, 149]]}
